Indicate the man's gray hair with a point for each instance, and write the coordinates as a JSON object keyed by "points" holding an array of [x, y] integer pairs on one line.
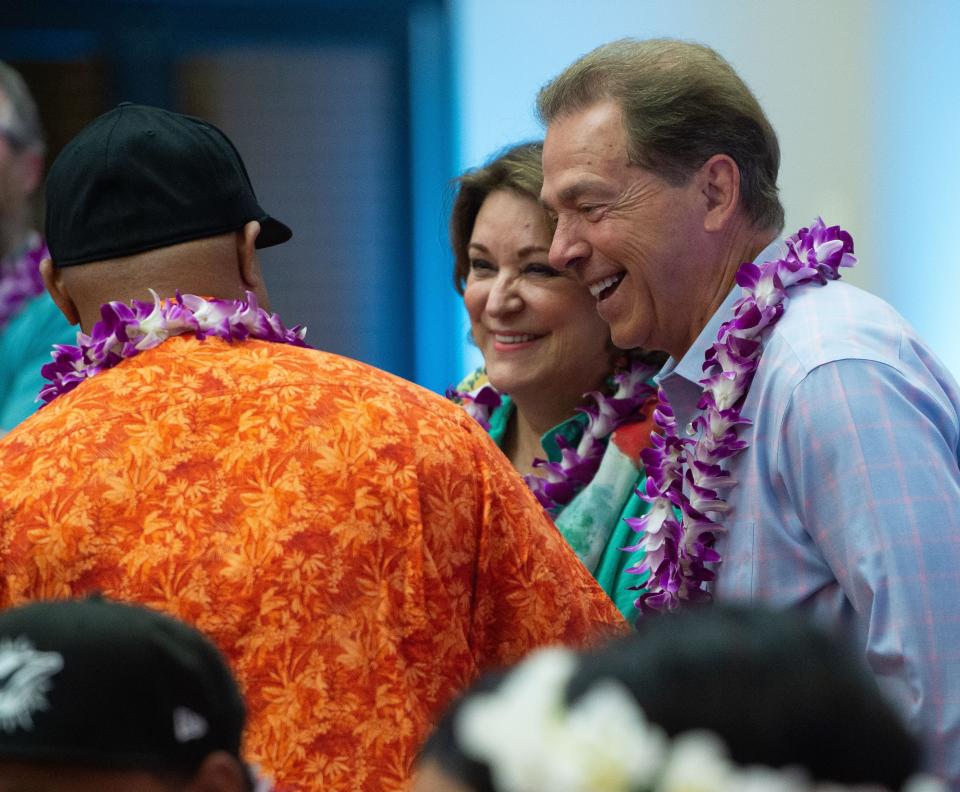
{"points": [[23, 127], [682, 103]]}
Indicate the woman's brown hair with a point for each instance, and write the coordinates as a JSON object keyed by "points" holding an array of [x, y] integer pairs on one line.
{"points": [[518, 169]]}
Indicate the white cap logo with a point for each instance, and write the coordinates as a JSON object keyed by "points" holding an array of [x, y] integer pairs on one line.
{"points": [[24, 682], [188, 725]]}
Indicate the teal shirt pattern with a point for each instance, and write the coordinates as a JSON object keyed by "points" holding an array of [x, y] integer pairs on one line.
{"points": [[25, 345]]}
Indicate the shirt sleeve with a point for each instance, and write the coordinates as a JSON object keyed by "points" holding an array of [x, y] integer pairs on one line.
{"points": [[531, 589], [868, 457]]}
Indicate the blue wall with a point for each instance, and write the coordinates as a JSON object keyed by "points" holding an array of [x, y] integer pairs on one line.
{"points": [[916, 180]]}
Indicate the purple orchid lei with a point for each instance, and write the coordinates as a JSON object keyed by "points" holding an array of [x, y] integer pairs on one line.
{"points": [[126, 330], [677, 551], [478, 404], [20, 279], [560, 481]]}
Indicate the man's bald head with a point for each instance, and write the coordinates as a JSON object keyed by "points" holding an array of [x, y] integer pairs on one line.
{"points": [[223, 266]]}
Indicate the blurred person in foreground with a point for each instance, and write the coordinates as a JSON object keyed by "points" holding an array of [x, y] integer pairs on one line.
{"points": [[571, 411], [101, 696], [712, 699], [29, 321], [355, 545], [810, 436]]}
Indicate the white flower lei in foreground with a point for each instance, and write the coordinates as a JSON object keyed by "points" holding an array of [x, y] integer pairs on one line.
{"points": [[534, 741]]}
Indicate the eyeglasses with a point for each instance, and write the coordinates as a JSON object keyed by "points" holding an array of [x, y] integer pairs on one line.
{"points": [[15, 139]]}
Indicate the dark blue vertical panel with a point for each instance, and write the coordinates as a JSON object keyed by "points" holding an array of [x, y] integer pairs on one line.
{"points": [[437, 346]]}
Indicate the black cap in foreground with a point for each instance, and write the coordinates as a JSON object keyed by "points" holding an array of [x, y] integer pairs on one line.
{"points": [[139, 178], [112, 686]]}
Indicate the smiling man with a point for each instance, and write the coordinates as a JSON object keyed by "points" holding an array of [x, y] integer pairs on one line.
{"points": [[822, 468]]}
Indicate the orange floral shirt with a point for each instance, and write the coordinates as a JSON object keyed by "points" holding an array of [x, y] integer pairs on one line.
{"points": [[356, 546]]}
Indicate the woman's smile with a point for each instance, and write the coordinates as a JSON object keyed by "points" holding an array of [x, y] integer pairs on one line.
{"points": [[514, 342]]}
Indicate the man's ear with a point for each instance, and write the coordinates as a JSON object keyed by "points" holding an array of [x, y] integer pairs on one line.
{"points": [[219, 772], [247, 255], [53, 280], [719, 180]]}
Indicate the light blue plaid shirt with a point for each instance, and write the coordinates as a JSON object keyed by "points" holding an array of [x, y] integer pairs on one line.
{"points": [[848, 501]]}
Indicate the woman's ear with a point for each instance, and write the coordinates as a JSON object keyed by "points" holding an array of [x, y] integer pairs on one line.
{"points": [[247, 255], [53, 281]]}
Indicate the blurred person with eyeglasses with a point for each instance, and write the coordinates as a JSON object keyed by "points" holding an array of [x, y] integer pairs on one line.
{"points": [[29, 320]]}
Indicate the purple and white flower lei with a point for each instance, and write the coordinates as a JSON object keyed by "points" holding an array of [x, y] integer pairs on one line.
{"points": [[677, 552], [20, 279], [560, 481], [479, 404], [126, 330]]}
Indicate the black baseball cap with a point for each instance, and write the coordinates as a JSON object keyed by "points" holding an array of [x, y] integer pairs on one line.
{"points": [[112, 686], [139, 178]]}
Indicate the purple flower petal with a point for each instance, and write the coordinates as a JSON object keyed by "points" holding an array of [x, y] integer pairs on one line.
{"points": [[126, 330]]}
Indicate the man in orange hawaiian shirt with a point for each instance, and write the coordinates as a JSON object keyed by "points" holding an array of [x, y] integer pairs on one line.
{"points": [[354, 544]]}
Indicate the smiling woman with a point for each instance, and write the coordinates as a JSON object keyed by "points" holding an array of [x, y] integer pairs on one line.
{"points": [[554, 390], [538, 329]]}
